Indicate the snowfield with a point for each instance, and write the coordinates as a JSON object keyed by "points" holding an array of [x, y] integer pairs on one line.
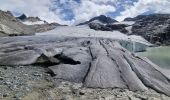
{"points": [[73, 31]]}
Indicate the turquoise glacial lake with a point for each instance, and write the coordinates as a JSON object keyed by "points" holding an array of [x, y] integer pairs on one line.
{"points": [[158, 55]]}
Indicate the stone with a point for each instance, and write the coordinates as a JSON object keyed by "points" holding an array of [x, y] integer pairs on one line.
{"points": [[153, 98], [133, 98], [122, 98]]}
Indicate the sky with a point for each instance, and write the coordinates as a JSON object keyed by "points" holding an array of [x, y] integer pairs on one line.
{"points": [[72, 12]]}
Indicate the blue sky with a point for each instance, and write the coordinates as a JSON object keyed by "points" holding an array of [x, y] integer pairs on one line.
{"points": [[76, 11]]}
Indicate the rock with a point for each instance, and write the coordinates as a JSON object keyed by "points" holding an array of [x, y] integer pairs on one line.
{"points": [[133, 98], [122, 98], [22, 17], [154, 28], [108, 27], [67, 97], [165, 97], [153, 98], [111, 97]]}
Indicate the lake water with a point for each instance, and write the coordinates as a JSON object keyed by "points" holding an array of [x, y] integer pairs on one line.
{"points": [[158, 55]]}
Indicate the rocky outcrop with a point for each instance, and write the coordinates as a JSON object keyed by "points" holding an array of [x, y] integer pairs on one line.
{"points": [[10, 26], [155, 28], [109, 27], [22, 25], [96, 63], [22, 17]]}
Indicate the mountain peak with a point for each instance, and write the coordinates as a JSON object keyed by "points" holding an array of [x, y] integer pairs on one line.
{"points": [[100, 19], [22, 17]]}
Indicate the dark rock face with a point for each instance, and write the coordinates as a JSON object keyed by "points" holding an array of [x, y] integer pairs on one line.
{"points": [[97, 63], [109, 27], [102, 18], [154, 28], [22, 17]]}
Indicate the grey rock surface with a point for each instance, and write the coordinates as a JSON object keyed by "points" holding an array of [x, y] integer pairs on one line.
{"points": [[96, 63]]}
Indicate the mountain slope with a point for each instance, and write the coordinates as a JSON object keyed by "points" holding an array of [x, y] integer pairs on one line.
{"points": [[38, 24], [9, 25], [155, 28]]}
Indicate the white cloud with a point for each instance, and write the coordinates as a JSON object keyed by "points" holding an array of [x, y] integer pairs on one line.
{"points": [[142, 6], [41, 8], [92, 8], [84, 11], [38, 8]]}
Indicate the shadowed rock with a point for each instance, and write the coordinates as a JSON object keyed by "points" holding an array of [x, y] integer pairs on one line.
{"points": [[97, 63]]}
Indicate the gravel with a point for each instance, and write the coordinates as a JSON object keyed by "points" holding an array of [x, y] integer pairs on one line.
{"points": [[33, 83]]}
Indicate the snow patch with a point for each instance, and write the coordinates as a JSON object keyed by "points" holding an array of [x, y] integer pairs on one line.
{"points": [[126, 22], [33, 23]]}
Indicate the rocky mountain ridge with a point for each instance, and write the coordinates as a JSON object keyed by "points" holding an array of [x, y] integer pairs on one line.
{"points": [[15, 26], [9, 25], [154, 27]]}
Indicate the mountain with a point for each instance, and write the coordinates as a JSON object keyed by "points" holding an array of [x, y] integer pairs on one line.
{"points": [[31, 20], [22, 17], [11, 26], [104, 23], [39, 24], [135, 18], [22, 25], [155, 28], [99, 19]]}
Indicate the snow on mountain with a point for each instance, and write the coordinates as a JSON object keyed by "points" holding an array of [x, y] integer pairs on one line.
{"points": [[33, 23], [126, 22]]}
